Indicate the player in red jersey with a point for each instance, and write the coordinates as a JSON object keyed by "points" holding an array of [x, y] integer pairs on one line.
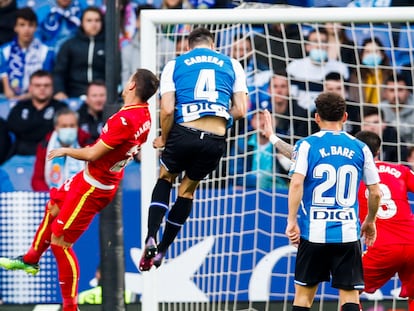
{"points": [[393, 250], [72, 207]]}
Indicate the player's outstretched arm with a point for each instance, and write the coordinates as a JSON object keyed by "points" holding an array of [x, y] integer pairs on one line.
{"points": [[91, 153], [283, 147]]}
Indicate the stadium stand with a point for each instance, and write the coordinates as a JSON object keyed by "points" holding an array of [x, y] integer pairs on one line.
{"points": [[359, 33], [20, 170]]}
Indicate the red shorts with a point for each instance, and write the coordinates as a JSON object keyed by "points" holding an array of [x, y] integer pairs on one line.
{"points": [[381, 263], [79, 202]]}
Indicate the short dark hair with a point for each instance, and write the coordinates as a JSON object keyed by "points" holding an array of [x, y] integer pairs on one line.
{"points": [[320, 30], [330, 106], [146, 84], [93, 9], [40, 73], [372, 110], [398, 78], [372, 140], [200, 35], [27, 14], [333, 75], [95, 83]]}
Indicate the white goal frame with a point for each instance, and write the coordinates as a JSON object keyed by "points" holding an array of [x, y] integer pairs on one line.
{"points": [[150, 18]]}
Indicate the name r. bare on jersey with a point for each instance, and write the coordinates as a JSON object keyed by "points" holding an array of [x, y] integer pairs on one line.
{"points": [[337, 150], [204, 59]]}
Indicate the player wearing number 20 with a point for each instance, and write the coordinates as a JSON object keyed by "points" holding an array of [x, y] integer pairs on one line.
{"points": [[326, 171], [202, 92], [393, 250]]}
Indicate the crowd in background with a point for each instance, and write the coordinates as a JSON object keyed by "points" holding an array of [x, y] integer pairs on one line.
{"points": [[52, 63]]}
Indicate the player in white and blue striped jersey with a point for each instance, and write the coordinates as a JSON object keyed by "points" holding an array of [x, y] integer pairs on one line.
{"points": [[202, 92], [326, 171]]}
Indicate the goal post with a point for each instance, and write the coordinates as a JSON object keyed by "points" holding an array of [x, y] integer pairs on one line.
{"points": [[232, 253]]}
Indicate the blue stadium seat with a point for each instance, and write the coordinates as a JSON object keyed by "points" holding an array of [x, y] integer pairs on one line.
{"points": [[74, 103], [20, 170], [361, 32], [405, 45], [132, 176]]}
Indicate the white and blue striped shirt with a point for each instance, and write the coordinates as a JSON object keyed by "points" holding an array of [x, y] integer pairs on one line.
{"points": [[333, 163], [204, 82]]}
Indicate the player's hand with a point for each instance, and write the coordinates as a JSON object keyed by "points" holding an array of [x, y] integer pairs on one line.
{"points": [[369, 232], [268, 124], [158, 143], [60, 152], [293, 233]]}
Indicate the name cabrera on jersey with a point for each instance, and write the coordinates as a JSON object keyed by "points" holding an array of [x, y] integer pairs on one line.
{"points": [[203, 81], [333, 164]]}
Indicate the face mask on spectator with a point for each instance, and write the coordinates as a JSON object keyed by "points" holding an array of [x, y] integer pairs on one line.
{"points": [[372, 60], [318, 55], [67, 135]]}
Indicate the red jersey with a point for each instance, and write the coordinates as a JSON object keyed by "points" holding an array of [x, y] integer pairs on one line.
{"points": [[123, 133], [395, 220]]}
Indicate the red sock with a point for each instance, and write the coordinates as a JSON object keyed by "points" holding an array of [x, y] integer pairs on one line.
{"points": [[68, 271], [410, 304], [41, 240]]}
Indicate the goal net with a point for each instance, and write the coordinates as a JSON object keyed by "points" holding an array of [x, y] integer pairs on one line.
{"points": [[232, 253]]}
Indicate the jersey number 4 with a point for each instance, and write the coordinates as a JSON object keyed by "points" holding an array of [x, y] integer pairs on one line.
{"points": [[205, 88]]}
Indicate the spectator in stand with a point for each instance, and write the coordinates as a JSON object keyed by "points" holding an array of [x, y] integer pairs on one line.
{"points": [[398, 107], [256, 166], [91, 111], [393, 149], [282, 44], [285, 108], [307, 73], [31, 119], [81, 59], [375, 68], [49, 174], [5, 141], [8, 10], [174, 5], [60, 22], [257, 74], [23, 56], [334, 82], [340, 47], [181, 44], [131, 52]]}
